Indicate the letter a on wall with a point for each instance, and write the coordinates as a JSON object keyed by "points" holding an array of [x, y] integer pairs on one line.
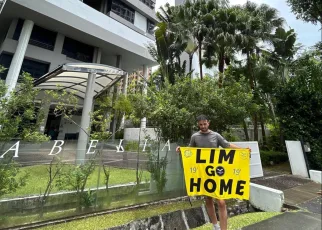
{"points": [[218, 173]]}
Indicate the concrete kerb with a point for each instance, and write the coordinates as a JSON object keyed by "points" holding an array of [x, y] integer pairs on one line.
{"points": [[316, 176], [265, 198]]}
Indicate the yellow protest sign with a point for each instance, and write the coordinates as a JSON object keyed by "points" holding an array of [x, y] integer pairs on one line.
{"points": [[218, 173]]}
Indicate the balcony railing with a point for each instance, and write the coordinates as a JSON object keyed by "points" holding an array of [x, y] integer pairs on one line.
{"points": [[77, 56], [41, 44]]}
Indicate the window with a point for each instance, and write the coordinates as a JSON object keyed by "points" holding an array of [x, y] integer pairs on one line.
{"points": [[5, 61], [149, 3], [95, 4], [35, 68], [150, 27], [123, 10], [78, 50], [39, 36]]}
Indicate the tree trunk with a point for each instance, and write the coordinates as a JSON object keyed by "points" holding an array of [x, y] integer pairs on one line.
{"points": [[245, 130], [272, 108], [252, 86], [200, 63], [190, 62], [221, 65], [251, 80], [255, 121], [263, 129]]}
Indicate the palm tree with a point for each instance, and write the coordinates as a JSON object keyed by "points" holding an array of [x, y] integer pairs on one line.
{"points": [[190, 49], [197, 19], [284, 50], [168, 46], [256, 24], [221, 44]]}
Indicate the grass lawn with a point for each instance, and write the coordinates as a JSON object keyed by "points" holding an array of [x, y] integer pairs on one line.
{"points": [[119, 218], [37, 180], [243, 220]]}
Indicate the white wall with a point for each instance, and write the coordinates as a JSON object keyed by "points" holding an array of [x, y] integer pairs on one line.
{"points": [[265, 198], [316, 176], [296, 157], [82, 17], [140, 21]]}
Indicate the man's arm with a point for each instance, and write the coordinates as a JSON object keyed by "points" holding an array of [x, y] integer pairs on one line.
{"points": [[225, 144], [234, 146]]}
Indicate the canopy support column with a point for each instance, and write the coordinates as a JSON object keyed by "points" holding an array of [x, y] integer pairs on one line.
{"points": [[84, 131]]}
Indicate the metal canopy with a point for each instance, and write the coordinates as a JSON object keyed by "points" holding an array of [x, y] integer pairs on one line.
{"points": [[72, 77]]}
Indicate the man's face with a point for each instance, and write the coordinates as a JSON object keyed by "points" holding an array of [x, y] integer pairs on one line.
{"points": [[203, 125]]}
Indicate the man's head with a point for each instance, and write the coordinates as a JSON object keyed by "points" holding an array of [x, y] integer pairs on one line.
{"points": [[203, 123]]}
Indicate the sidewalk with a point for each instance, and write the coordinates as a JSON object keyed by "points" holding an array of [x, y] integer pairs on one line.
{"points": [[300, 193], [289, 221]]}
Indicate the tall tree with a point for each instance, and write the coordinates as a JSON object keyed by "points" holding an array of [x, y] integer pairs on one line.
{"points": [[198, 19], [308, 10], [221, 44], [284, 51], [168, 46], [256, 24]]}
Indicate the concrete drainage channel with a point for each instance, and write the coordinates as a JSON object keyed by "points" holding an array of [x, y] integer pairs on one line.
{"points": [[184, 219]]}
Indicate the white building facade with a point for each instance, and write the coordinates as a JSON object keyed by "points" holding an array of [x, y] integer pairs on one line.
{"points": [[37, 36]]}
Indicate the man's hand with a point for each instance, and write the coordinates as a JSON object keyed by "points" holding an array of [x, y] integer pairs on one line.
{"points": [[178, 149]]}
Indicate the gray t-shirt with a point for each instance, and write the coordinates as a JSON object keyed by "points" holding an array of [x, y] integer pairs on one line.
{"points": [[208, 140]]}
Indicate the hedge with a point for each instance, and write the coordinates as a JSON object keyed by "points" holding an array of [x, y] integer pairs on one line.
{"points": [[276, 157]]}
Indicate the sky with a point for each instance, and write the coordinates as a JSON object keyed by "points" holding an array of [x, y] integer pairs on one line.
{"points": [[307, 33]]}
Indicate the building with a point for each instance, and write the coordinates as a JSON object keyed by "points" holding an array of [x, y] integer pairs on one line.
{"points": [[46, 34], [40, 36]]}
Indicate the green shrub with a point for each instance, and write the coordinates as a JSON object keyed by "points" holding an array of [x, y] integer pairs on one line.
{"points": [[276, 157], [230, 136], [131, 146]]}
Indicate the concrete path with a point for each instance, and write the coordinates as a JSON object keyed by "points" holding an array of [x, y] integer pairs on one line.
{"points": [[299, 192], [289, 221]]}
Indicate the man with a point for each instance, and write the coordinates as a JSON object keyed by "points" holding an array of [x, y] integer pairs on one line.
{"points": [[206, 138]]}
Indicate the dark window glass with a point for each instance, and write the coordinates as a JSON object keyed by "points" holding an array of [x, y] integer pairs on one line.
{"points": [[96, 4], [5, 61], [39, 36], [149, 3], [35, 68], [18, 29], [78, 50], [150, 27], [123, 10]]}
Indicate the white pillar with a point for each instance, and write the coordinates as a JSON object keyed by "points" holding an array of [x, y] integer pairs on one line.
{"points": [[19, 55], [59, 43], [85, 120], [97, 55], [115, 93], [12, 28], [124, 91], [45, 107], [145, 75], [125, 83]]}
